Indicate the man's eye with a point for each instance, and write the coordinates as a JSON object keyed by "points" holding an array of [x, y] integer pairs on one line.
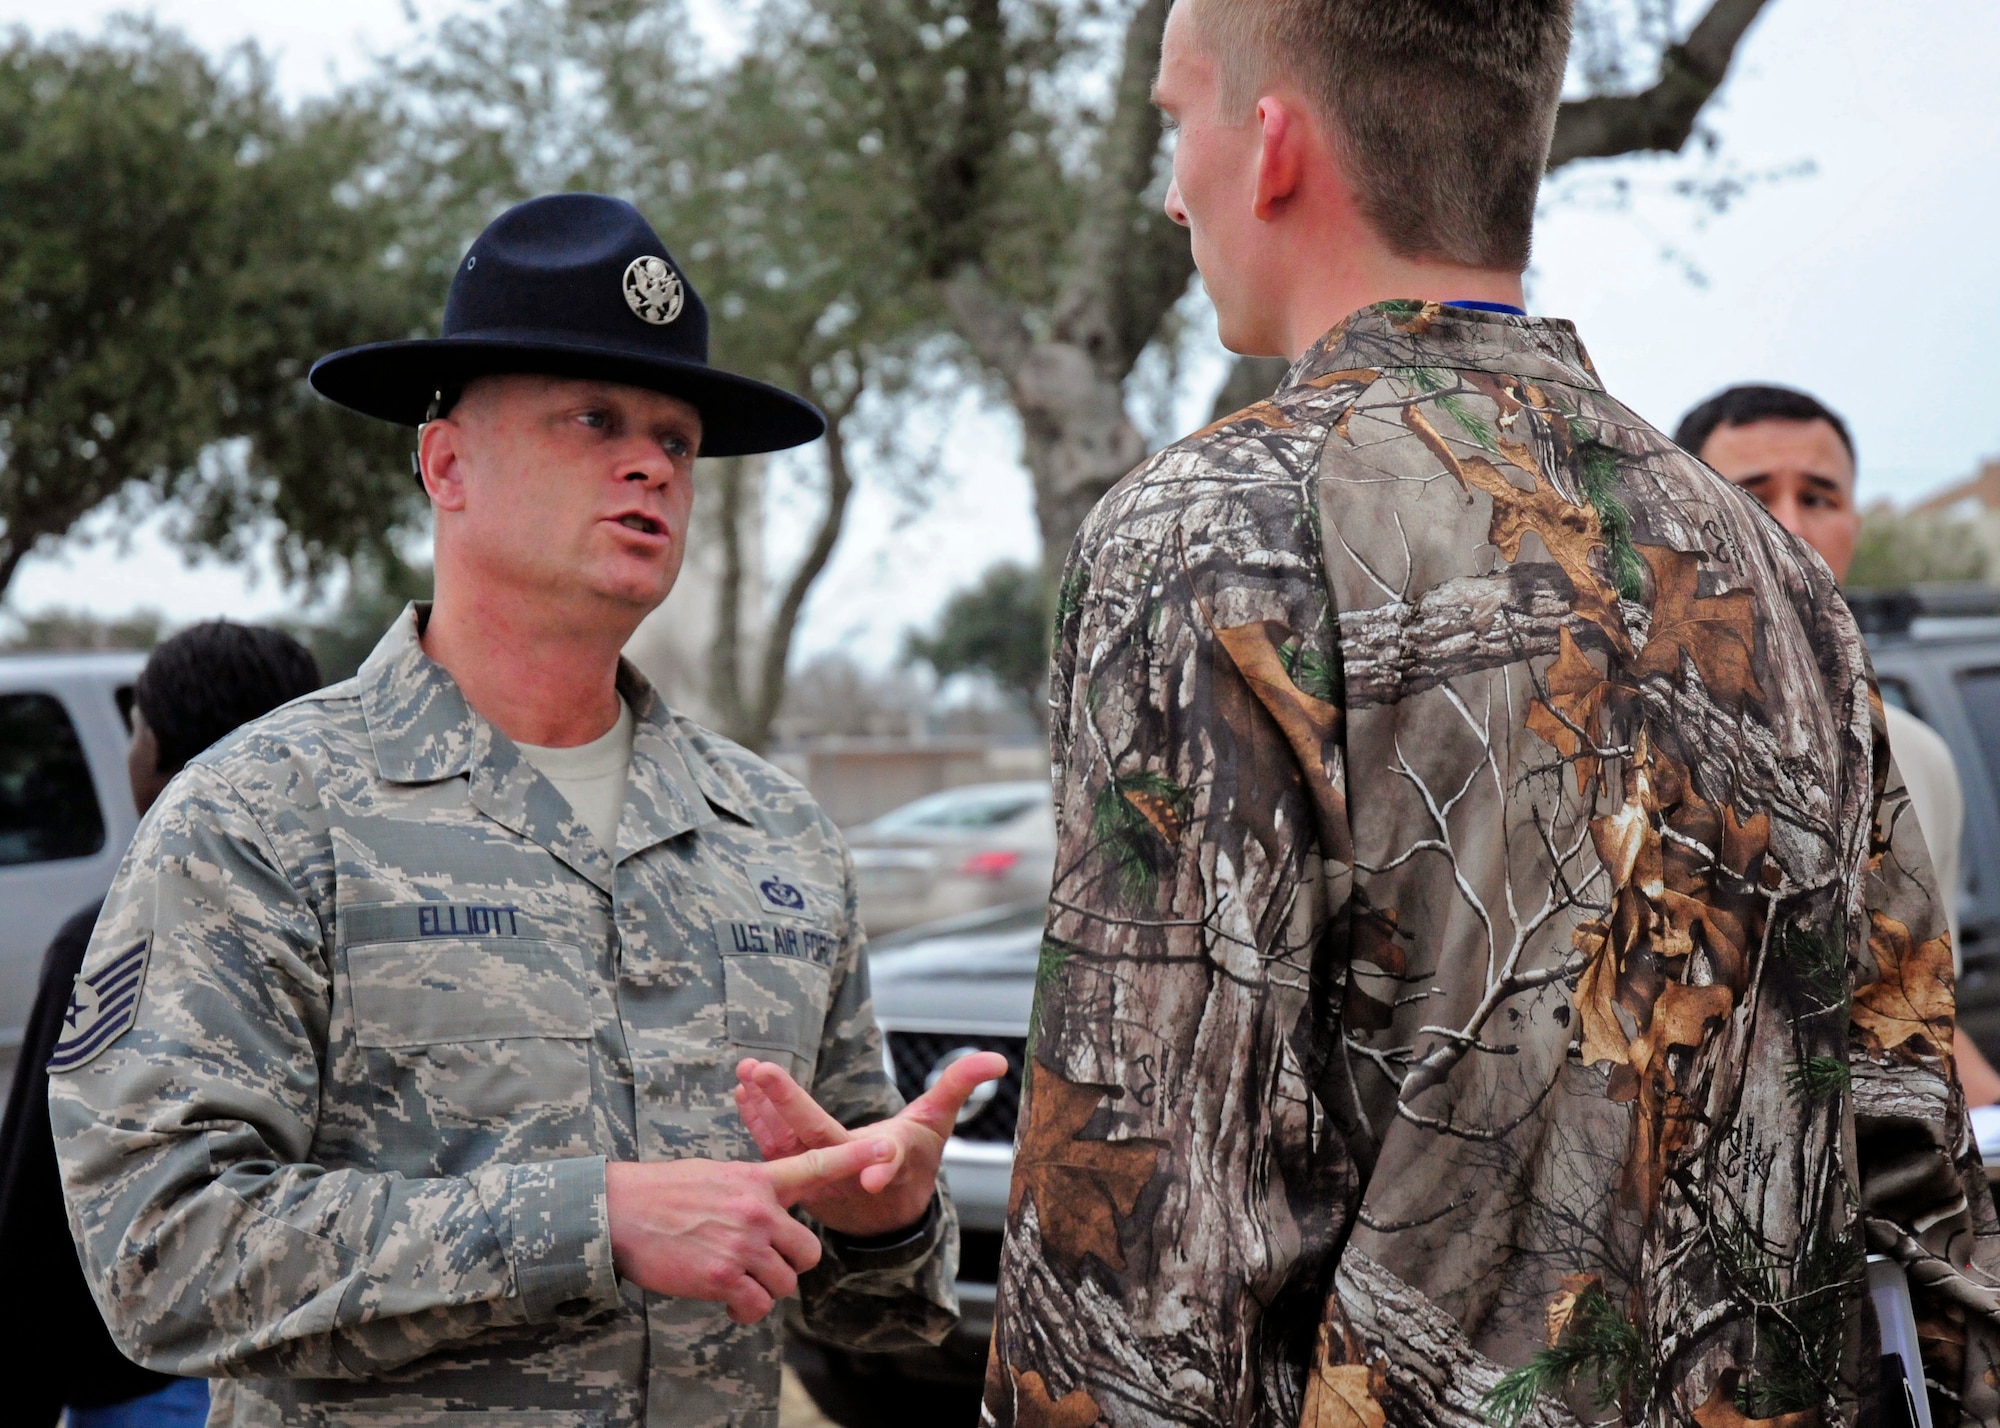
{"points": [[596, 421], [677, 446]]}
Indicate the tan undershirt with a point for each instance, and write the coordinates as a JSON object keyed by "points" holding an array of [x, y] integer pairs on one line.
{"points": [[592, 777]]}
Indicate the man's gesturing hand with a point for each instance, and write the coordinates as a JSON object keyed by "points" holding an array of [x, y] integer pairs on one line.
{"points": [[878, 1198], [708, 1229]]}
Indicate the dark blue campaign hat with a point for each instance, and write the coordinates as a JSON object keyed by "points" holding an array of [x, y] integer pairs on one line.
{"points": [[571, 285]]}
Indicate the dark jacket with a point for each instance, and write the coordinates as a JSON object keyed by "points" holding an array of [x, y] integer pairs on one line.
{"points": [[58, 1352]]}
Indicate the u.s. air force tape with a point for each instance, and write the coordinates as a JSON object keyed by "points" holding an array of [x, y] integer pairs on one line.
{"points": [[102, 1008], [776, 939]]}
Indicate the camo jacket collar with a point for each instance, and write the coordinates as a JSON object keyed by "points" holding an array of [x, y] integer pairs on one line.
{"points": [[1404, 333]]}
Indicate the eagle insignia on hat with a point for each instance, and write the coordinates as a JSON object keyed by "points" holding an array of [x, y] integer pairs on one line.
{"points": [[653, 290]]}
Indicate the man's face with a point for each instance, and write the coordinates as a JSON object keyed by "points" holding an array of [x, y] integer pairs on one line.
{"points": [[1213, 193], [565, 487], [1803, 475]]}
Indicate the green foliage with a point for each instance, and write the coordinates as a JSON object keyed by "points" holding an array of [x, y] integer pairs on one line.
{"points": [[1800, 1312], [996, 628], [1131, 819], [1818, 961], [175, 250], [1819, 1078], [81, 630], [378, 588], [1599, 1344], [1312, 671], [1599, 465], [1896, 550]]}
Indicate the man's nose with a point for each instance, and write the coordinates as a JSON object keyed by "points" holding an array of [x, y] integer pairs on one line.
{"points": [[1173, 205], [1789, 514], [648, 464]]}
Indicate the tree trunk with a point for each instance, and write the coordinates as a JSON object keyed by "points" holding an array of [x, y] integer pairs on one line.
{"points": [[748, 714], [1129, 267]]}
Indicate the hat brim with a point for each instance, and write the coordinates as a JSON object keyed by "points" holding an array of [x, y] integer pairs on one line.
{"points": [[394, 381]]}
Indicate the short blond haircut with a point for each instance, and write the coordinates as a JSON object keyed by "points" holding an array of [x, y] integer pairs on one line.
{"points": [[1442, 110]]}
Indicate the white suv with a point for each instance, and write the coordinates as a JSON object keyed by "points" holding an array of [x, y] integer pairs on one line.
{"points": [[65, 809]]}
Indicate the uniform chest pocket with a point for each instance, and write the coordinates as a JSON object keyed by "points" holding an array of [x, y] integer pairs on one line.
{"points": [[777, 978], [428, 993], [482, 1030]]}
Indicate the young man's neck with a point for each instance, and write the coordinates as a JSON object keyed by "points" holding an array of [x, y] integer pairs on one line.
{"points": [[1323, 294], [537, 677]]}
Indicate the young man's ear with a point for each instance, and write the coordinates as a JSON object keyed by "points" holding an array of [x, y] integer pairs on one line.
{"points": [[1280, 156]]}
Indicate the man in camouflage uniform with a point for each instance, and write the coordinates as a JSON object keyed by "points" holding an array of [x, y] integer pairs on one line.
{"points": [[1492, 974], [401, 1088]]}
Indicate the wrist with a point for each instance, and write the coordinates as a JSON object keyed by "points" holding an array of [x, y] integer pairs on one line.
{"points": [[896, 1238]]}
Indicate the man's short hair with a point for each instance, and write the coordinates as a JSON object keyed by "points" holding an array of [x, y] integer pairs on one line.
{"points": [[207, 680], [1755, 402], [1442, 109]]}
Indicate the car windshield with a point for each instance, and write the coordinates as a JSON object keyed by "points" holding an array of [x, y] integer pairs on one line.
{"points": [[962, 809]]}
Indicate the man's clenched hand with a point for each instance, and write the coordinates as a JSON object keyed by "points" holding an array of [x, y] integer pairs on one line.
{"points": [[880, 1197], [707, 1229]]}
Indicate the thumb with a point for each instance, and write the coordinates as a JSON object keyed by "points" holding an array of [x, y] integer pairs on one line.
{"points": [[937, 1109], [796, 1177]]}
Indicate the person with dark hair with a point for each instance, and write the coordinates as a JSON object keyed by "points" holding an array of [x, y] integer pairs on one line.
{"points": [[1482, 981], [1796, 456], [196, 688]]}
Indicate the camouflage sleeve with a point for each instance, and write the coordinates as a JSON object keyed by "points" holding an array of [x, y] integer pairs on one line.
{"points": [[874, 1297], [1925, 1199], [212, 1242], [1195, 722]]}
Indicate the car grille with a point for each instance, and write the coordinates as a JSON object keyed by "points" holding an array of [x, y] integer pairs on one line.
{"points": [[915, 1053]]}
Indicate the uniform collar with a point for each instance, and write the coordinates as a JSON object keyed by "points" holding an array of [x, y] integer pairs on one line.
{"points": [[423, 731], [1406, 333]]}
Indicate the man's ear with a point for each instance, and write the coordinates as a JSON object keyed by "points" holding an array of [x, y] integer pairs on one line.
{"points": [[1280, 156], [441, 462]]}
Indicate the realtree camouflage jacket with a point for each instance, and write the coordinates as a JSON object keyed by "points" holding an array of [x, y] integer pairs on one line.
{"points": [[1486, 979], [365, 1015]]}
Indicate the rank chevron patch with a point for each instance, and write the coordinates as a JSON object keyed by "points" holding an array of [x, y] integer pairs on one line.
{"points": [[102, 1008]]}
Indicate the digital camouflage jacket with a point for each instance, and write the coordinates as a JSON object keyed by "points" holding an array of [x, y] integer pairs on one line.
{"points": [[366, 1013], [1493, 975]]}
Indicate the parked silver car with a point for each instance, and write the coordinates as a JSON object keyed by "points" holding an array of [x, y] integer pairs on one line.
{"points": [[66, 809], [983, 845]]}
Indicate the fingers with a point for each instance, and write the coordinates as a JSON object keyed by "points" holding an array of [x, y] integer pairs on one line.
{"points": [[775, 1139], [748, 1301], [799, 1245], [773, 1274], [791, 1104], [877, 1178], [937, 1109], [793, 1179]]}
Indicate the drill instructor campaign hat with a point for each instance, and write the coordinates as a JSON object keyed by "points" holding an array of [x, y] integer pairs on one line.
{"points": [[570, 285]]}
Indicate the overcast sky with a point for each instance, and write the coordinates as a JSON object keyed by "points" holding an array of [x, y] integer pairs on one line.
{"points": [[1870, 279]]}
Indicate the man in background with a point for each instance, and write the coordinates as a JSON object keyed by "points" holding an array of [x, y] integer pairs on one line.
{"points": [[1796, 456], [196, 687]]}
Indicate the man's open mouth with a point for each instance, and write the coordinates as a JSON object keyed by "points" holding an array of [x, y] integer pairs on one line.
{"points": [[645, 524]]}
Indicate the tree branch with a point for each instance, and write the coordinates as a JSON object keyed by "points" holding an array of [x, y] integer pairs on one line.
{"points": [[1133, 263], [1661, 118], [725, 683], [778, 644]]}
